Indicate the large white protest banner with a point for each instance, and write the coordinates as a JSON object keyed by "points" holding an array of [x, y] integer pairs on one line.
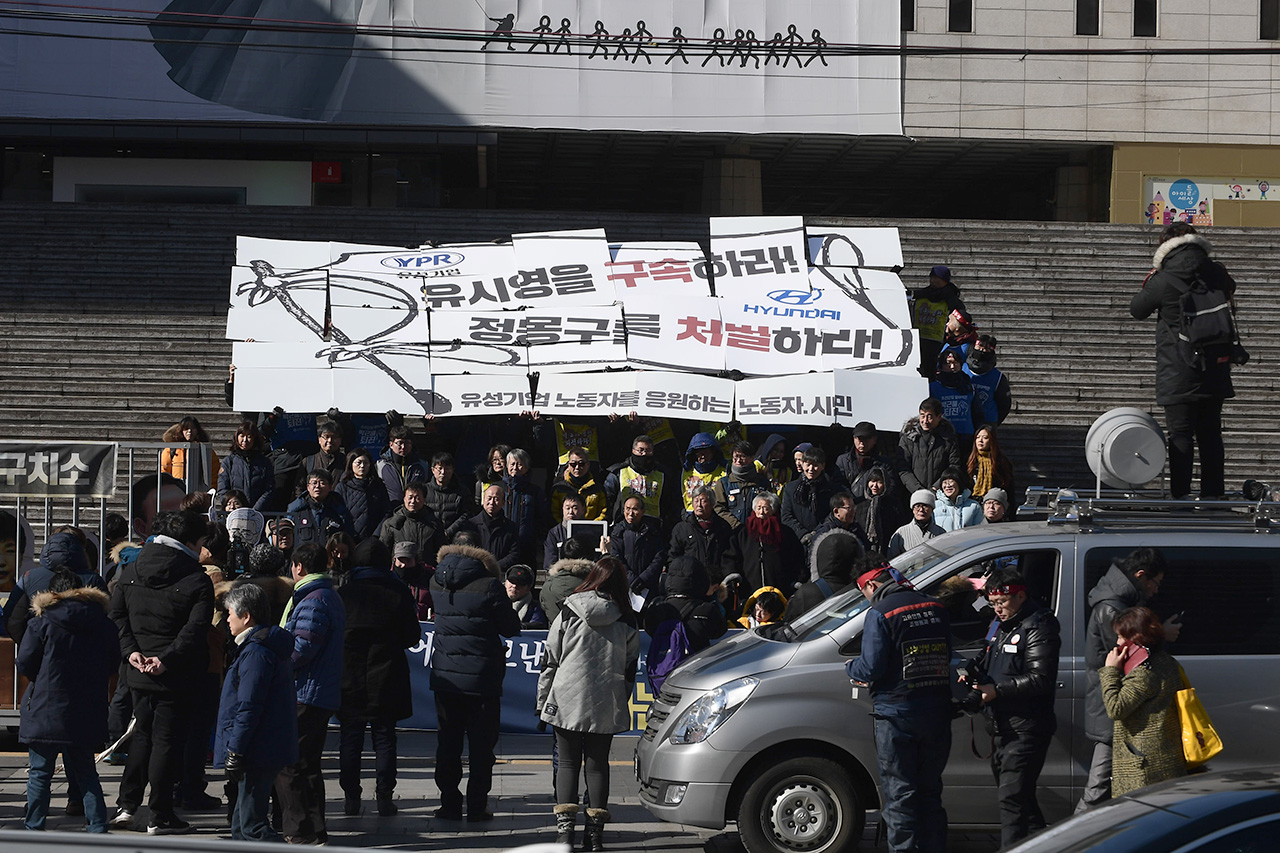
{"points": [[659, 269]]}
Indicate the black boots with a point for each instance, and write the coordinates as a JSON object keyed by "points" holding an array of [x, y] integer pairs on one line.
{"points": [[566, 817], [594, 836]]}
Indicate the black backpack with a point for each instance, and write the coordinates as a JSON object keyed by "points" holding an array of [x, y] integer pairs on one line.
{"points": [[1207, 332]]}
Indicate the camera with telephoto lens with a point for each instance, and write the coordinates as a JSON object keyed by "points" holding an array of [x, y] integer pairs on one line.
{"points": [[971, 700]]}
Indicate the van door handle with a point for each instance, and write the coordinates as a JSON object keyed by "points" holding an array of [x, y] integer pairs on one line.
{"points": [[1269, 708]]}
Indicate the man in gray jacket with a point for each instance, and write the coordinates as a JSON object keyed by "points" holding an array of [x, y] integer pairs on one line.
{"points": [[1130, 582], [919, 528]]}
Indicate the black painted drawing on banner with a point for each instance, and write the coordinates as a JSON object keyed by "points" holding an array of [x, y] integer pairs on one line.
{"points": [[717, 41], [502, 32], [840, 262], [622, 43], [641, 34], [566, 30], [774, 44], [542, 31], [792, 40], [751, 47], [816, 45], [268, 285], [678, 39], [601, 36]]}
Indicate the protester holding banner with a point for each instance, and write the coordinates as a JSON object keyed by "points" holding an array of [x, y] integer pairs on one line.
{"points": [[248, 468], [640, 475], [446, 496], [399, 465], [364, 493], [703, 465], [581, 477], [525, 503]]}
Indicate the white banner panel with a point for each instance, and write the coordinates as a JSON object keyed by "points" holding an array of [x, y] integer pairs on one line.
{"points": [[378, 324], [484, 395], [854, 247], [754, 255], [885, 399], [267, 305], [659, 269], [283, 255], [295, 389], [681, 333], [808, 398], [684, 395], [249, 357], [583, 394], [764, 66]]}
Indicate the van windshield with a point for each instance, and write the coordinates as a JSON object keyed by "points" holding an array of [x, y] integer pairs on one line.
{"points": [[840, 608]]}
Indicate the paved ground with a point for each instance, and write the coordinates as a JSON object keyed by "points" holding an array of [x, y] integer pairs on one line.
{"points": [[521, 801]]}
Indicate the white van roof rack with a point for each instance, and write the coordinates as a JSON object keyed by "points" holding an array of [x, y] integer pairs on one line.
{"points": [[1109, 507]]}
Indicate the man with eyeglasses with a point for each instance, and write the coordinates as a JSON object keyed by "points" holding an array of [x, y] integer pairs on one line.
{"points": [[1017, 675], [579, 478], [446, 496], [399, 465]]}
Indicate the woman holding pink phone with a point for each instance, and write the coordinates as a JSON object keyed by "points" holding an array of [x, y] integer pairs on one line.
{"points": [[1139, 681]]}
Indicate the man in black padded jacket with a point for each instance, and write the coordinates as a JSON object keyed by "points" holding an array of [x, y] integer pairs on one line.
{"points": [[1017, 674]]}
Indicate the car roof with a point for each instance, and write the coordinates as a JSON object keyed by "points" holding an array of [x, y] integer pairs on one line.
{"points": [[1164, 817]]}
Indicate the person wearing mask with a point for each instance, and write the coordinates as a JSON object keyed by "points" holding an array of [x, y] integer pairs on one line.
{"points": [[931, 307], [69, 652], [320, 513], [446, 496], [1128, 583], [1017, 679], [247, 468], [1191, 388], [879, 513], [364, 494], [843, 516], [468, 664], [573, 508], [988, 467], [806, 501], [382, 621], [316, 619], [565, 575], [525, 503], [703, 534], [257, 730], [497, 534], [765, 551], [1140, 681], [737, 488], [519, 586], [703, 465], [961, 333], [580, 478], [831, 562], [953, 388], [955, 508], [162, 605], [414, 522], [991, 393], [863, 456], [638, 543], [399, 465], [584, 692], [906, 662], [776, 463], [921, 526], [928, 446], [995, 507], [640, 475]]}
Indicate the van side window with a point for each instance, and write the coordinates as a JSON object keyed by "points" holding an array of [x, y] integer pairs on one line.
{"points": [[970, 615], [1213, 588]]}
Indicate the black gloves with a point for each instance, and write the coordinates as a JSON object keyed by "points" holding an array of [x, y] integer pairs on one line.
{"points": [[235, 766]]}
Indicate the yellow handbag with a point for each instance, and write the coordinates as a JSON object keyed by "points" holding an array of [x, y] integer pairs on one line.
{"points": [[1200, 741]]}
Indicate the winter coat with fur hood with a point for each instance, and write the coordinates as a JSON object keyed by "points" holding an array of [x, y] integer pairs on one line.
{"points": [[563, 578], [589, 667], [69, 653], [1177, 380], [473, 614]]}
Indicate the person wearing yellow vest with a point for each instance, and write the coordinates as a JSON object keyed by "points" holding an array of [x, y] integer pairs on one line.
{"points": [[582, 478], [640, 475], [703, 465]]}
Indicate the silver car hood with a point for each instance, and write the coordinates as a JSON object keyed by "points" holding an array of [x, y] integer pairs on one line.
{"points": [[746, 653]]}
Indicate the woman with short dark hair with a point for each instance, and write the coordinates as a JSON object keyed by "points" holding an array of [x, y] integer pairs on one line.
{"points": [[364, 493], [248, 468]]}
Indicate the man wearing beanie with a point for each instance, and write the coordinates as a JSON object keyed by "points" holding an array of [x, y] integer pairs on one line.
{"points": [[995, 506], [919, 528]]}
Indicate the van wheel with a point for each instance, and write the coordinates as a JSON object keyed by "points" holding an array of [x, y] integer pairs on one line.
{"points": [[802, 804]]}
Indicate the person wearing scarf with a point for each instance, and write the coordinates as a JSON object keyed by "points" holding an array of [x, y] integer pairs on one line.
{"points": [[764, 551], [989, 468]]}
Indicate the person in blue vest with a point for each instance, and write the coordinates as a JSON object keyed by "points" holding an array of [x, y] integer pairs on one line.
{"points": [[955, 389], [906, 662], [991, 393]]}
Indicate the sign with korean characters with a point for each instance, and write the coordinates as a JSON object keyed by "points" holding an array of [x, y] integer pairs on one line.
{"points": [[57, 470], [648, 393], [821, 399]]}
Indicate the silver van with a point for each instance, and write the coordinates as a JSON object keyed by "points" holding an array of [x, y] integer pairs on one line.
{"points": [[766, 730]]}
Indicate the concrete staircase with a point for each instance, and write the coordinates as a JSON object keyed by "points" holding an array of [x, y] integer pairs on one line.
{"points": [[113, 316]]}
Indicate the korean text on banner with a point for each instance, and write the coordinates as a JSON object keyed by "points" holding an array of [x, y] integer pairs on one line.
{"points": [[65, 470]]}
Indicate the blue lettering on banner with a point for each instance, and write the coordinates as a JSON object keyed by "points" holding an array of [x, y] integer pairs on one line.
{"points": [[436, 260], [805, 313], [519, 688], [1184, 194], [795, 297]]}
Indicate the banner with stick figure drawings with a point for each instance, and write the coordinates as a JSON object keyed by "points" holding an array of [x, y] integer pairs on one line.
{"points": [[748, 66]]}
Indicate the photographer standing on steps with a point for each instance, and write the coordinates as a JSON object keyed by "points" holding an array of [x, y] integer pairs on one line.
{"points": [[1191, 389]]}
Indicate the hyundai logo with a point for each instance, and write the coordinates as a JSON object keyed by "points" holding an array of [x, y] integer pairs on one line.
{"points": [[427, 261], [796, 297]]}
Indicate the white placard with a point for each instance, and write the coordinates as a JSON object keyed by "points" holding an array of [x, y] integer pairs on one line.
{"points": [[283, 255], [574, 338], [659, 269], [677, 333], [684, 395], [310, 355], [270, 305], [563, 268], [360, 388], [756, 255], [888, 400], [293, 389], [369, 325], [854, 247], [484, 395], [808, 398], [878, 295], [584, 394]]}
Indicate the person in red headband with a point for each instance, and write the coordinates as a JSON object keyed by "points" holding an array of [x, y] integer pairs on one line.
{"points": [[906, 661], [1017, 674]]}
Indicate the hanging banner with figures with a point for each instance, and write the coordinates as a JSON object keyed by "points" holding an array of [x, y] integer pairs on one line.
{"points": [[369, 328], [1191, 200], [766, 66]]}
